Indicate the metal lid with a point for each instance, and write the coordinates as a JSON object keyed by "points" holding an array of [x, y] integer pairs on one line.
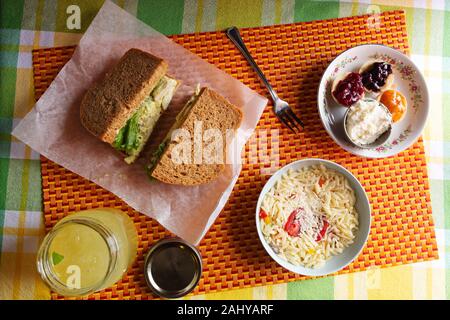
{"points": [[172, 268]]}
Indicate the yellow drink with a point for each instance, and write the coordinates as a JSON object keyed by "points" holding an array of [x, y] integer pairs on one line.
{"points": [[88, 251]]}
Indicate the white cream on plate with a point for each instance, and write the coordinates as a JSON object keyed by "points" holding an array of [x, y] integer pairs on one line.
{"points": [[367, 120]]}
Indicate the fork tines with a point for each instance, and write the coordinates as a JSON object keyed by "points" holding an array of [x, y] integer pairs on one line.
{"points": [[290, 120]]}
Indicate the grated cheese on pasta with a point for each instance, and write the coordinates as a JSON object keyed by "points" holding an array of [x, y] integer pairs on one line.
{"points": [[315, 203]]}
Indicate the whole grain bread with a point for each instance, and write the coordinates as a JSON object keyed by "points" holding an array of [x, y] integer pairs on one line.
{"points": [[108, 105], [215, 112]]}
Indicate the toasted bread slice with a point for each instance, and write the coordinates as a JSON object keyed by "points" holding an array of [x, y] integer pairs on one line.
{"points": [[215, 112], [107, 106]]}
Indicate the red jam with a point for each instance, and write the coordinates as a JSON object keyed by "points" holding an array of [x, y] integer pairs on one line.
{"points": [[349, 90]]}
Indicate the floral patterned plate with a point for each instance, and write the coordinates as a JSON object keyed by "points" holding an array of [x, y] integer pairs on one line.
{"points": [[408, 80]]}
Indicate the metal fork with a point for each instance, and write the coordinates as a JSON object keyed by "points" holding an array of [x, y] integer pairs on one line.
{"points": [[281, 108]]}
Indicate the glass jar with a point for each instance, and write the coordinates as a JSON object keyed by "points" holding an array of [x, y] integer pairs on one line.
{"points": [[87, 251]]}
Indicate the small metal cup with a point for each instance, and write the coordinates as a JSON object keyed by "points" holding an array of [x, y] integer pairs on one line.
{"points": [[378, 142], [172, 268]]}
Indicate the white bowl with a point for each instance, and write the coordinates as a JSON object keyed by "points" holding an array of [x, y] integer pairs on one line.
{"points": [[337, 262], [408, 80]]}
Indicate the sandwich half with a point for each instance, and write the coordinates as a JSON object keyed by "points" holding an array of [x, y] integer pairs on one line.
{"points": [[123, 108], [213, 112]]}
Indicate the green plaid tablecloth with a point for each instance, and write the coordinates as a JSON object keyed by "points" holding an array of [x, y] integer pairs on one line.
{"points": [[29, 24]]}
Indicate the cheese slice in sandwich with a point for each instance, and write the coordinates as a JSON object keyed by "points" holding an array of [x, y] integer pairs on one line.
{"points": [[123, 108], [214, 112]]}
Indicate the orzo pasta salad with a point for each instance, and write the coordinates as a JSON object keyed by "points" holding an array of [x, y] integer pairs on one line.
{"points": [[309, 215]]}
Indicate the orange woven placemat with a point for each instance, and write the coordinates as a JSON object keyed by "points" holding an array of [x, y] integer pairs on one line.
{"points": [[293, 57]]}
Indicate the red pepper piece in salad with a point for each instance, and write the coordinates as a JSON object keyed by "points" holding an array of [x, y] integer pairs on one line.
{"points": [[262, 214], [323, 231], [321, 182], [292, 226]]}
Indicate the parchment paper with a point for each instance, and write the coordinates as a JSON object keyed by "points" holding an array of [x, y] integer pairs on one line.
{"points": [[53, 127]]}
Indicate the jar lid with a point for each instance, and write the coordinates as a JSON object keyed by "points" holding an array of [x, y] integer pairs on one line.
{"points": [[172, 268]]}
